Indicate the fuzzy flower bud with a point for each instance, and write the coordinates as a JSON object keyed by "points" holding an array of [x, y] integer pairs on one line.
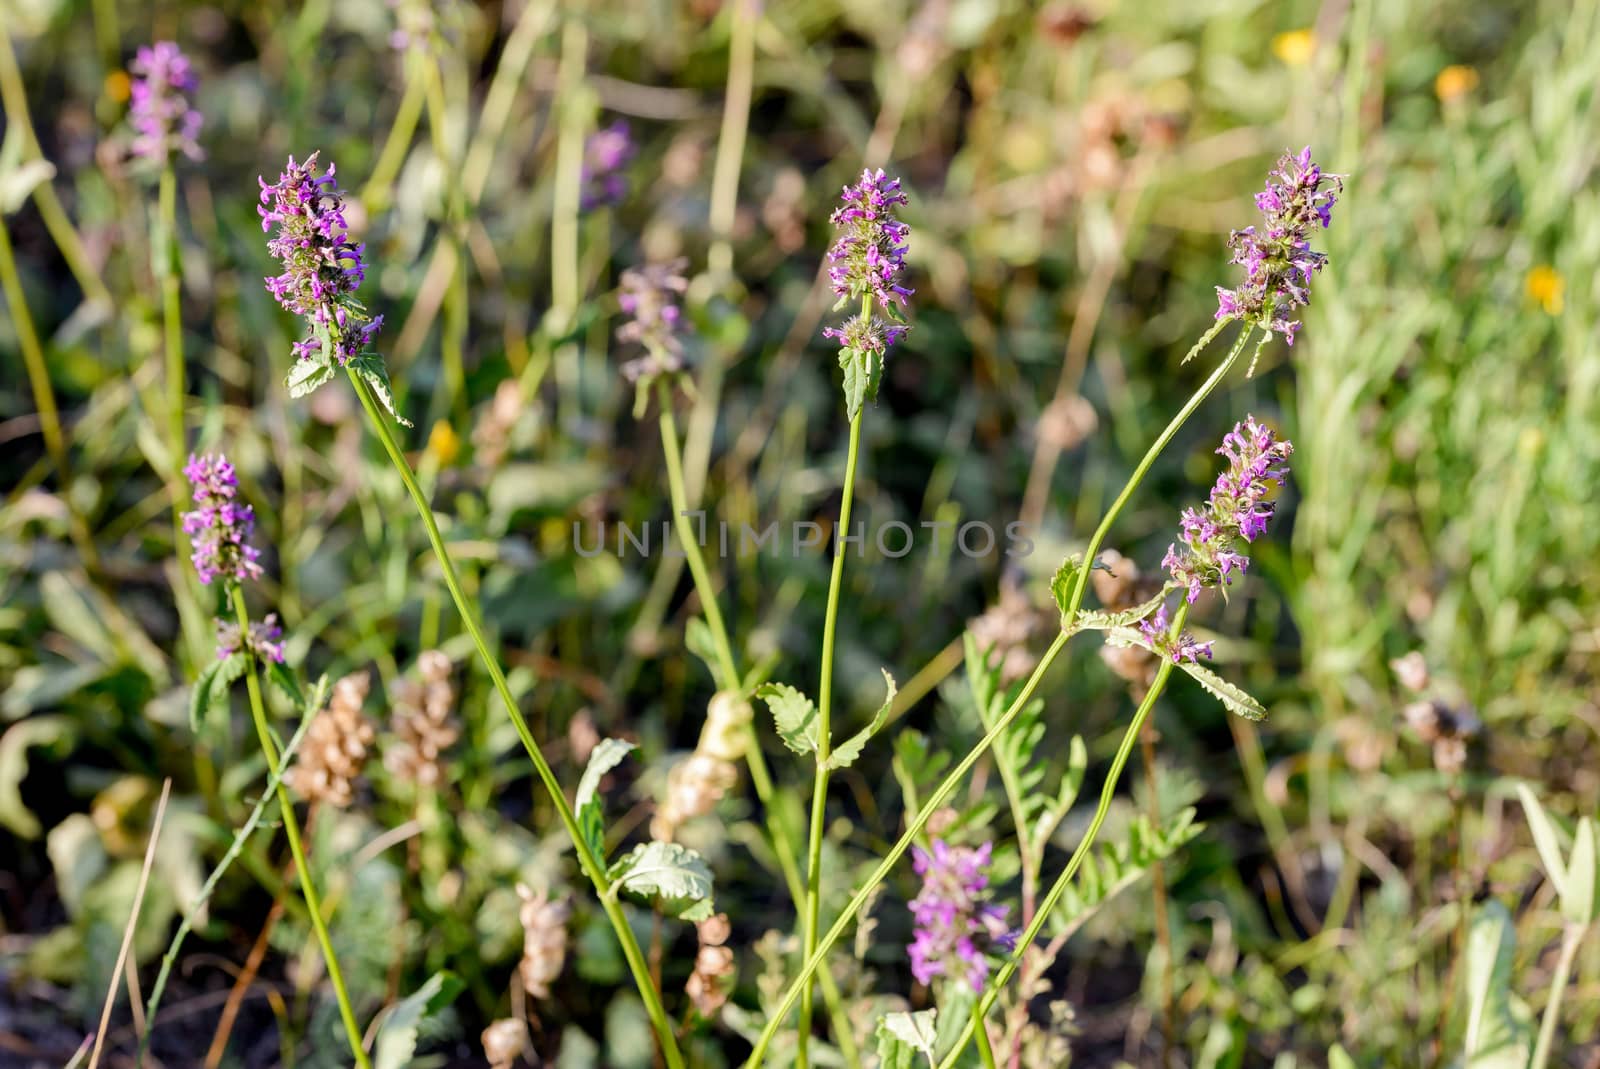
{"points": [[1277, 258], [322, 267], [544, 941], [649, 297], [605, 154], [1157, 629], [220, 526], [957, 924], [1205, 554], [263, 642], [335, 749], [161, 105]]}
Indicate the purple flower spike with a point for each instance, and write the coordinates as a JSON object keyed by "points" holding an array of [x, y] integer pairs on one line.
{"points": [[957, 925], [649, 296], [1184, 647], [607, 152], [160, 104], [1206, 553], [264, 641], [1278, 259], [871, 251], [220, 526], [322, 267]]}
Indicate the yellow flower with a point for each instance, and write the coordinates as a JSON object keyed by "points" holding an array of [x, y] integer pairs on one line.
{"points": [[1546, 286], [1455, 82], [118, 87], [444, 445], [1295, 48]]}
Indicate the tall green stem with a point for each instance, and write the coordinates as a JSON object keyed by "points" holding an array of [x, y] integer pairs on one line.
{"points": [[572, 126], [981, 1009], [591, 865], [953, 779], [1571, 938], [291, 828], [819, 791], [730, 680]]}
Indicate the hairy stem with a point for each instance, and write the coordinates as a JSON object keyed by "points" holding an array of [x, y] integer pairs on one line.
{"points": [[291, 828], [591, 864], [956, 774]]}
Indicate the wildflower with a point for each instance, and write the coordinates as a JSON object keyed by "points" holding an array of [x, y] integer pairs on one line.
{"points": [[1547, 288], [712, 979], [424, 722], [161, 105], [220, 526], [262, 642], [866, 334], [871, 250], [336, 744], [1278, 259], [1237, 508], [649, 298], [605, 154], [544, 941], [1157, 630], [1454, 82], [503, 1042], [322, 267], [956, 923], [1295, 48]]}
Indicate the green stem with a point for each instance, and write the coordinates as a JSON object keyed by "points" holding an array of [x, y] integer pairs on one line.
{"points": [[592, 865], [981, 1008], [375, 194], [564, 296], [986, 1051], [730, 141], [1571, 938], [953, 779], [819, 791], [291, 828], [730, 680]]}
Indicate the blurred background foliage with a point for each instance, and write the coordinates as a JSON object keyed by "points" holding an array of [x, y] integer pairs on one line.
{"points": [[1073, 169]]}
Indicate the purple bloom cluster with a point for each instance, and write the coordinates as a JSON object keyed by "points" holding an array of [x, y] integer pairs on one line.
{"points": [[322, 267], [649, 297], [1185, 647], [871, 251], [866, 334], [1237, 508], [264, 641], [1278, 259], [605, 154], [160, 106], [220, 526], [956, 923]]}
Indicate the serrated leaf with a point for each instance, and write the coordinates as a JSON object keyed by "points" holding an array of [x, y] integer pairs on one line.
{"points": [[901, 1036], [793, 714], [1108, 870], [307, 375], [1496, 1036], [1066, 790], [371, 368], [1063, 581], [845, 754], [288, 684], [856, 380], [396, 1043], [1546, 838], [1234, 698], [1101, 620], [673, 876], [1578, 898], [212, 686], [590, 809]]}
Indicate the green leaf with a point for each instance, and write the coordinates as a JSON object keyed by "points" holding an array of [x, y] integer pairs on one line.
{"points": [[857, 380], [673, 876], [396, 1043], [371, 368], [1113, 867], [307, 375], [283, 677], [18, 182], [794, 715], [698, 641], [1234, 698], [54, 734], [1498, 1031], [1063, 581], [1578, 899], [845, 754], [1545, 837], [901, 1036], [1101, 620], [211, 689], [1338, 1059], [955, 1004], [591, 811]]}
